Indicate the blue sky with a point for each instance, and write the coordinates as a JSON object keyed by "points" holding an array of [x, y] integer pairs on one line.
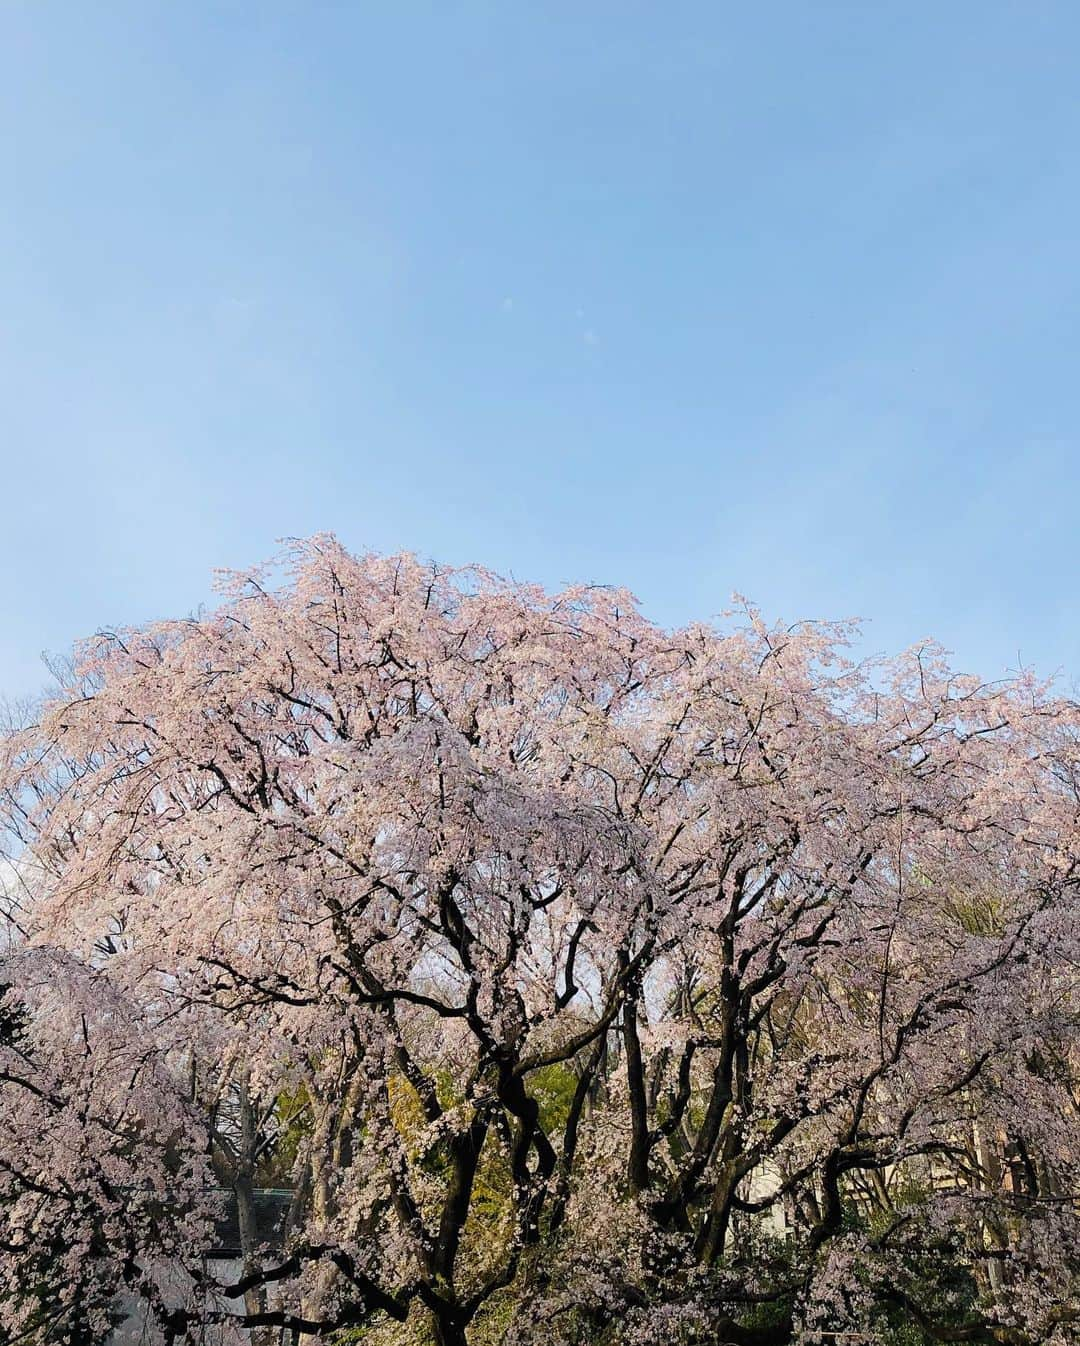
{"points": [[776, 298]]}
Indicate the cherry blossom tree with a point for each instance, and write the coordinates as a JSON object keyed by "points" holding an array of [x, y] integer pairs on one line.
{"points": [[581, 980]]}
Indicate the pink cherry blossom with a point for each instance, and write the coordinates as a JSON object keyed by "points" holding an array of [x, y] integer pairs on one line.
{"points": [[581, 980]]}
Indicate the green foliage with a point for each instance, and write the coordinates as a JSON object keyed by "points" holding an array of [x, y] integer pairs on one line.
{"points": [[553, 1088], [293, 1115]]}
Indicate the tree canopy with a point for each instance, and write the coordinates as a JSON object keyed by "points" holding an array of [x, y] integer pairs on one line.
{"points": [[583, 981]]}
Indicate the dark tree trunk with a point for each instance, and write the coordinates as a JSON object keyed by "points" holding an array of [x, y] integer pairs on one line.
{"points": [[449, 1329]]}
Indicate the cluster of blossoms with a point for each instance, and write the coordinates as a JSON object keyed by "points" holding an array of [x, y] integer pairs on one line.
{"points": [[579, 980]]}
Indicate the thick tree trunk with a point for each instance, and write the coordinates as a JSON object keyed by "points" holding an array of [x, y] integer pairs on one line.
{"points": [[449, 1330]]}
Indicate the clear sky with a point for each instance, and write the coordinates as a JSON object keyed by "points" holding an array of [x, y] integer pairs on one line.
{"points": [[695, 297]]}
